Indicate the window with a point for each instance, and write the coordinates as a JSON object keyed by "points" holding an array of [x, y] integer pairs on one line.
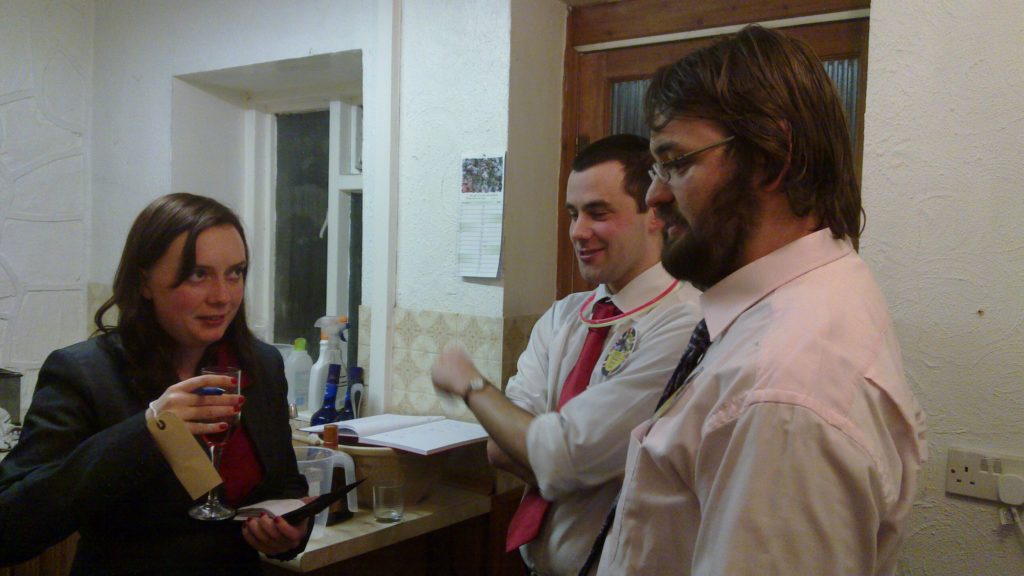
{"points": [[280, 142], [300, 204]]}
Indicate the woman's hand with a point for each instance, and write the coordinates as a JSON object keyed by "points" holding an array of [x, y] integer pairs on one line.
{"points": [[200, 412], [273, 535]]}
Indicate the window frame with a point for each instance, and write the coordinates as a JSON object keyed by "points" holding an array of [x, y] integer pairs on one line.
{"points": [[260, 195]]}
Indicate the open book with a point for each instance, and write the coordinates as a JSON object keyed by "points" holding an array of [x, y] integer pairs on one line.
{"points": [[419, 434]]}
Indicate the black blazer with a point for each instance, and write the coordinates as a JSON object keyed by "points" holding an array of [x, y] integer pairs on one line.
{"points": [[86, 462]]}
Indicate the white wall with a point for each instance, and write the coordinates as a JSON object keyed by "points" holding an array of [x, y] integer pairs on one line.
{"points": [[45, 75], [454, 99], [207, 145], [141, 46], [455, 74], [482, 76], [943, 168]]}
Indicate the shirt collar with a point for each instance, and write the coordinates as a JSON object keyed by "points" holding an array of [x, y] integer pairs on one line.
{"points": [[640, 290], [725, 301]]}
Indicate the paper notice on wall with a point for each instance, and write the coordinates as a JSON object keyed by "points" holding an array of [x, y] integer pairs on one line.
{"points": [[481, 206]]}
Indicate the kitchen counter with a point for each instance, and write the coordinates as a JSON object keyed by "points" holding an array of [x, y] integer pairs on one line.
{"points": [[445, 506]]}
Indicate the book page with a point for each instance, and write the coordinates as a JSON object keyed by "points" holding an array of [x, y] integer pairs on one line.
{"points": [[370, 425], [429, 438], [275, 507]]}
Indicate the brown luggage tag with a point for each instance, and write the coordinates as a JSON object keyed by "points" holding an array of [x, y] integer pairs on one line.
{"points": [[188, 461]]}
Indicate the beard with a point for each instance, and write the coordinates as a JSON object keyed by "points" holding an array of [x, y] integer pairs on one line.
{"points": [[711, 247]]}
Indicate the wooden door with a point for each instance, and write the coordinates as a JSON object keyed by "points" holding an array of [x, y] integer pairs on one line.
{"points": [[599, 82]]}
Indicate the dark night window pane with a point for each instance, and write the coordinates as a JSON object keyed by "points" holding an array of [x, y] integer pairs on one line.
{"points": [[300, 254]]}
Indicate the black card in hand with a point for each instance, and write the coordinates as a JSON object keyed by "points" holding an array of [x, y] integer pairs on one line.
{"points": [[319, 503]]}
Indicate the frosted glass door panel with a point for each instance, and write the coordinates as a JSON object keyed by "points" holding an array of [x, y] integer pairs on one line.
{"points": [[627, 104]]}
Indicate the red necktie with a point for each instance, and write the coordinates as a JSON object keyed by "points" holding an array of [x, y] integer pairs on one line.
{"points": [[529, 517]]}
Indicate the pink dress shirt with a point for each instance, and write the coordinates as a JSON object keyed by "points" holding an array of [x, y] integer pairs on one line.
{"points": [[796, 446]]}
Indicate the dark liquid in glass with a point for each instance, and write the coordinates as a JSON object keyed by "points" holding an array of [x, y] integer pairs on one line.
{"points": [[220, 438]]}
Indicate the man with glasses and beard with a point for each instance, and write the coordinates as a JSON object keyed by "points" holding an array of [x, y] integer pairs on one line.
{"points": [[787, 441]]}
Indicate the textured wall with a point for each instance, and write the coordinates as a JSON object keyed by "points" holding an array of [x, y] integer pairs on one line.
{"points": [[943, 167], [454, 99], [482, 76], [45, 78]]}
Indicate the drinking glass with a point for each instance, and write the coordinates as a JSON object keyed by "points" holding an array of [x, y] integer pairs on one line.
{"points": [[388, 501], [213, 508]]}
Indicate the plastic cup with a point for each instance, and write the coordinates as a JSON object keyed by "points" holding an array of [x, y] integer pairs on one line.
{"points": [[317, 465], [388, 501]]}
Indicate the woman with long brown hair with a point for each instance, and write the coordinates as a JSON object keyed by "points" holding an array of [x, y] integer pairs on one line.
{"points": [[86, 461]]}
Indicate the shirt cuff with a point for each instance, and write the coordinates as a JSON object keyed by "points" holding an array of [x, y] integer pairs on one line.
{"points": [[549, 456]]}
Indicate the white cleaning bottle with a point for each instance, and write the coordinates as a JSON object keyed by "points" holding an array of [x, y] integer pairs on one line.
{"points": [[318, 375], [330, 353], [297, 367]]}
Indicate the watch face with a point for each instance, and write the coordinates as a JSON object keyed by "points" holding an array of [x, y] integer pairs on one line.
{"points": [[476, 383]]}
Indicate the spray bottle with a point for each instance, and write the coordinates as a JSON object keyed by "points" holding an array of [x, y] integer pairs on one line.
{"points": [[328, 412], [332, 334]]}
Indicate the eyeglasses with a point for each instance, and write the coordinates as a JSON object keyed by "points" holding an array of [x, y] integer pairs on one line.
{"points": [[663, 170]]}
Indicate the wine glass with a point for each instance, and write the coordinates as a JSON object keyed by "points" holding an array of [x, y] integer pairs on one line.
{"points": [[213, 508]]}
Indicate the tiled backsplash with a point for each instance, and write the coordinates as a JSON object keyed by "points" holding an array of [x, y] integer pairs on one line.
{"points": [[421, 335]]}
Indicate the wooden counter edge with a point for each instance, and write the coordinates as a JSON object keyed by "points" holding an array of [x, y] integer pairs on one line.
{"points": [[444, 506]]}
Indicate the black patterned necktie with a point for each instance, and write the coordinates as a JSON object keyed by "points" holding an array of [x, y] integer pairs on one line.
{"points": [[695, 349], [699, 342]]}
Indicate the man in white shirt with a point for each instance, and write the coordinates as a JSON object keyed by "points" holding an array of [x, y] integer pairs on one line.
{"points": [[795, 445], [574, 450]]}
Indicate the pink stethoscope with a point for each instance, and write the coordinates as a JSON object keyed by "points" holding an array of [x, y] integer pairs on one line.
{"points": [[616, 319]]}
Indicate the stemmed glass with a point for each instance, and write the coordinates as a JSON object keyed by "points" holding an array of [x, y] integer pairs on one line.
{"points": [[213, 508]]}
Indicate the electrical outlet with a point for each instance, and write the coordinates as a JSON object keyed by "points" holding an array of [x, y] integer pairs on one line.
{"points": [[976, 474]]}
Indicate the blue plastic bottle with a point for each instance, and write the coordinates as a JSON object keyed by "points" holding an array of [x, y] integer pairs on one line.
{"points": [[328, 412], [354, 394]]}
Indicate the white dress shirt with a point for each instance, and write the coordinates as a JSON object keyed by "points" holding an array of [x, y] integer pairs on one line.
{"points": [[796, 445], [578, 454]]}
